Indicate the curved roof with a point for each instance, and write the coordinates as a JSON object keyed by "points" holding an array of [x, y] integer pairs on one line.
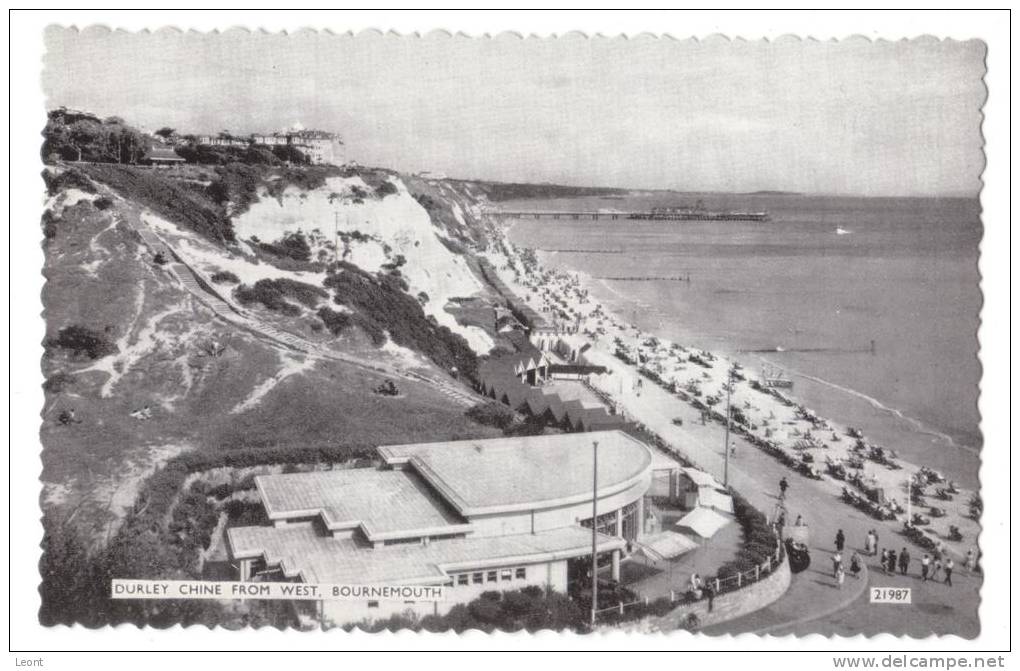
{"points": [[525, 473]]}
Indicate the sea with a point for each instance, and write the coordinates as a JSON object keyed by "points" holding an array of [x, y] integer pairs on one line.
{"points": [[870, 305]]}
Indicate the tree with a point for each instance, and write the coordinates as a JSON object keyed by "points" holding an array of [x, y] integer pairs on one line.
{"points": [[166, 132]]}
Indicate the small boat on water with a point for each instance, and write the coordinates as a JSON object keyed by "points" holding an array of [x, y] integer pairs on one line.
{"points": [[842, 231]]}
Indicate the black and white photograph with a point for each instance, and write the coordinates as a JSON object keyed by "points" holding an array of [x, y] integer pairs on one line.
{"points": [[437, 332]]}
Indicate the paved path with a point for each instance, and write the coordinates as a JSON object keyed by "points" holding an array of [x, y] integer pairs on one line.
{"points": [[813, 601]]}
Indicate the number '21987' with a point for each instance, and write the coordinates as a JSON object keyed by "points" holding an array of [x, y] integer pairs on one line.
{"points": [[890, 595]]}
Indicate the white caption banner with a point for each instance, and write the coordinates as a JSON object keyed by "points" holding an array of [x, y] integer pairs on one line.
{"points": [[202, 589]]}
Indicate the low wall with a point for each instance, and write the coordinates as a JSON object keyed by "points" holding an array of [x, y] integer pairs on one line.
{"points": [[731, 605]]}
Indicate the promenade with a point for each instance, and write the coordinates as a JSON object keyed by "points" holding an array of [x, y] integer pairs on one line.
{"points": [[814, 602]]}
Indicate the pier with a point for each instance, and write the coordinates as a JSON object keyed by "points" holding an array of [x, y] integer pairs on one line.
{"points": [[632, 215]]}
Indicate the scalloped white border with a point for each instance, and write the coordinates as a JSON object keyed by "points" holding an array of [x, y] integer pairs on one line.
{"points": [[26, 116]]}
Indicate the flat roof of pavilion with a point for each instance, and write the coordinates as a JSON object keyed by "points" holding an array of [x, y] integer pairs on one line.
{"points": [[299, 551], [383, 503], [521, 473]]}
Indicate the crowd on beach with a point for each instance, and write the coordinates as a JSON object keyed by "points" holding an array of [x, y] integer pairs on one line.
{"points": [[868, 476]]}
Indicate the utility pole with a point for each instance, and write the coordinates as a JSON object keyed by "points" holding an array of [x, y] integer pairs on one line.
{"points": [[910, 500], [594, 532], [726, 443]]}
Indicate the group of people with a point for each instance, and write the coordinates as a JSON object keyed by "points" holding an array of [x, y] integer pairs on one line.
{"points": [[933, 566], [891, 560], [839, 573]]}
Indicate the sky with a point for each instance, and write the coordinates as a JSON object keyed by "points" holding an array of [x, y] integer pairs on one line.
{"points": [[837, 117]]}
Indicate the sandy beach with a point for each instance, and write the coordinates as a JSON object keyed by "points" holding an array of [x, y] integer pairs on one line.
{"points": [[674, 390]]}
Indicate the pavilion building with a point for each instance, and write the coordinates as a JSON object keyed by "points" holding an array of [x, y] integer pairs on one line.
{"points": [[473, 516]]}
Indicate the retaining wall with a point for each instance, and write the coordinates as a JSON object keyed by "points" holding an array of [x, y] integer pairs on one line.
{"points": [[730, 605]]}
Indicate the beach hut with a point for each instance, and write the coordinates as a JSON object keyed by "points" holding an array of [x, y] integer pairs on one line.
{"points": [[702, 522], [574, 411]]}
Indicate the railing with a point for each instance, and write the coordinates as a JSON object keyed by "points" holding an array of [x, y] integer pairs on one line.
{"points": [[718, 586]]}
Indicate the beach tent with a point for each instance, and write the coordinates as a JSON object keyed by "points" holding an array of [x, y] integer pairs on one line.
{"points": [[702, 522], [665, 545], [710, 497]]}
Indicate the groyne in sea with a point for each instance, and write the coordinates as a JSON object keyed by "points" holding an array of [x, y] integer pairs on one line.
{"points": [[676, 278]]}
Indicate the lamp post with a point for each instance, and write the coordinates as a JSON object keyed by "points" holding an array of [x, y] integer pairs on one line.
{"points": [[910, 499], [594, 530], [726, 443]]}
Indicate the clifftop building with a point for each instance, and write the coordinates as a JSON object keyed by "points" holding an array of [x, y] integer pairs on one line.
{"points": [[473, 515], [321, 147]]}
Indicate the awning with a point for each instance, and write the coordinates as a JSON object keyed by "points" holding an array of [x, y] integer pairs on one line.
{"points": [[710, 497], [665, 545], [701, 478], [661, 462], [702, 522]]}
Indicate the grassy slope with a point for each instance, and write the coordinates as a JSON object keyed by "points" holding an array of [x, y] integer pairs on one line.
{"points": [[327, 404]]}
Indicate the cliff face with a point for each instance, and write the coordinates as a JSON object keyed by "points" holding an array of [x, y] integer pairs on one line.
{"points": [[162, 337]]}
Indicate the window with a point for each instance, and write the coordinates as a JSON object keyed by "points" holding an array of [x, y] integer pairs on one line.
{"points": [[373, 604], [476, 578], [521, 573], [506, 574], [462, 579], [492, 576]]}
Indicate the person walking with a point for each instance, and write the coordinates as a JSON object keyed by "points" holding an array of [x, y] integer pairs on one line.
{"points": [[869, 544], [940, 549], [840, 576], [885, 561], [874, 535], [936, 566], [783, 486], [925, 567], [949, 571], [892, 561], [855, 565], [904, 561], [968, 563], [837, 564], [840, 540]]}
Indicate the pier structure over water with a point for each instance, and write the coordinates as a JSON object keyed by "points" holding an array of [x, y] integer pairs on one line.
{"points": [[663, 214]]}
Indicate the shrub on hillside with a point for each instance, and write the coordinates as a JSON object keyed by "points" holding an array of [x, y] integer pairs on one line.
{"points": [[387, 188], [72, 178], [336, 322], [274, 295], [492, 413], [225, 277], [385, 307], [172, 199], [103, 203], [80, 340], [290, 246]]}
